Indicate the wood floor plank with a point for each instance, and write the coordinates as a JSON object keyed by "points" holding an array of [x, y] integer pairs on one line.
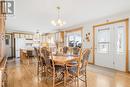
{"points": [[24, 75]]}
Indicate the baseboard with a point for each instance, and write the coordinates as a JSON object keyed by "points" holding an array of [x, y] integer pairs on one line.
{"points": [[90, 63], [10, 57]]}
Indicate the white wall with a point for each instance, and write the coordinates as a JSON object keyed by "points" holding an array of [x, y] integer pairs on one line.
{"points": [[88, 27]]}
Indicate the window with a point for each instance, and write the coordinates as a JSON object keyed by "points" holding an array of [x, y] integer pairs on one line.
{"points": [[74, 39]]}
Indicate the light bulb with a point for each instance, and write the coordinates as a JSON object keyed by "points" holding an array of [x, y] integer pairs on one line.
{"points": [[53, 22], [59, 21]]}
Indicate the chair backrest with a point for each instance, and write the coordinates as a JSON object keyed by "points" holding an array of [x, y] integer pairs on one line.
{"points": [[85, 56], [46, 56], [75, 50], [45, 51], [80, 58], [36, 52], [29, 53], [65, 49]]}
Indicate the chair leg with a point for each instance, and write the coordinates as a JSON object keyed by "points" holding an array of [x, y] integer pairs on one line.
{"points": [[38, 68], [85, 77], [77, 81], [31, 61], [42, 69], [28, 60], [65, 76], [53, 82], [46, 74], [6, 80]]}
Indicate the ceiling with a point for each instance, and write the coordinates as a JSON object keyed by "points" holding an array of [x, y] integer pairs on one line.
{"points": [[33, 15]]}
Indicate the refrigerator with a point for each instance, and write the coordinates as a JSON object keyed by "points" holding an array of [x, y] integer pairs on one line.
{"points": [[19, 44]]}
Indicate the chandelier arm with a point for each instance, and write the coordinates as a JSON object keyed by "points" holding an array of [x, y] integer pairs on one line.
{"points": [[58, 8], [59, 22]]}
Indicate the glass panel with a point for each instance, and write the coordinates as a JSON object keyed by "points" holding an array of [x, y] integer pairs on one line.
{"points": [[7, 37], [16, 35], [103, 39], [120, 37], [103, 48], [74, 39]]}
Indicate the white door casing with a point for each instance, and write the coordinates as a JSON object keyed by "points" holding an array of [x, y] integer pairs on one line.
{"points": [[8, 45]]}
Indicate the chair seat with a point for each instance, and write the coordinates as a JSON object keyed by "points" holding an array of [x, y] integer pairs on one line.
{"points": [[72, 63], [72, 67], [59, 68], [73, 70]]}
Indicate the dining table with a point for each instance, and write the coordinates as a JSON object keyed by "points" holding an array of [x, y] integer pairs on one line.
{"points": [[65, 59]]}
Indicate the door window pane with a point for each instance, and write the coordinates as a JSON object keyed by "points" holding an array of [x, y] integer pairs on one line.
{"points": [[120, 37], [103, 39]]}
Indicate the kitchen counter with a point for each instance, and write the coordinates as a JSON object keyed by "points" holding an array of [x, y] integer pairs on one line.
{"points": [[23, 53]]}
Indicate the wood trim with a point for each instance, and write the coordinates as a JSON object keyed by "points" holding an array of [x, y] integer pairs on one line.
{"points": [[127, 45], [127, 39], [74, 30], [14, 48], [93, 45], [112, 22], [8, 33], [22, 33], [82, 33], [62, 36], [90, 63]]}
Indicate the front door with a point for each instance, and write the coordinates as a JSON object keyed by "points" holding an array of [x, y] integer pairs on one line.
{"points": [[110, 45], [119, 44], [104, 46]]}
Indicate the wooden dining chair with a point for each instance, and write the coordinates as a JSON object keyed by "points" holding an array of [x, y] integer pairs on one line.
{"points": [[65, 50], [78, 70], [53, 70], [40, 61], [29, 56], [75, 50]]}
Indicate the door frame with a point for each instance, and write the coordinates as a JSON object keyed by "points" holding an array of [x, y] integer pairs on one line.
{"points": [[127, 40], [11, 43]]}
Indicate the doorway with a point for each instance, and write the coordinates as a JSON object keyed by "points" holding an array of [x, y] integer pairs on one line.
{"points": [[110, 45], [8, 45]]}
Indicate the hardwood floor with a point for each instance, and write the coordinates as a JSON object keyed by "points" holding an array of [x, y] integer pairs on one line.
{"points": [[24, 75]]}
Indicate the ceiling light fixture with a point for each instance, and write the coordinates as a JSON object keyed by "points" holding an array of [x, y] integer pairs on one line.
{"points": [[59, 22]]}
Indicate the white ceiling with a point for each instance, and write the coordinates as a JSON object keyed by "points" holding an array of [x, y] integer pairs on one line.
{"points": [[32, 15]]}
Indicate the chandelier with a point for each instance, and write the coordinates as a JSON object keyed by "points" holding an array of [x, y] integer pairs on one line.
{"points": [[58, 22]]}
